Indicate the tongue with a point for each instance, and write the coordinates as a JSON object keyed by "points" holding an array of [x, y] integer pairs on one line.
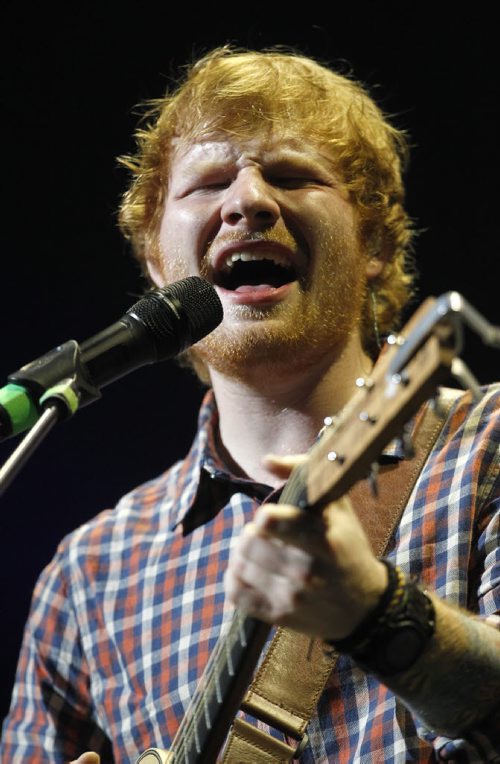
{"points": [[253, 287]]}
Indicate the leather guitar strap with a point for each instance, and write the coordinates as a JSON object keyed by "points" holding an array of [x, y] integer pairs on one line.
{"points": [[295, 669]]}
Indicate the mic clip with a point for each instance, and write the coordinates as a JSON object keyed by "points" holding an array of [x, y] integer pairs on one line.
{"points": [[58, 377]]}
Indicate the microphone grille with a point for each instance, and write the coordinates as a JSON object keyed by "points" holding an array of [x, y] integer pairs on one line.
{"points": [[179, 314]]}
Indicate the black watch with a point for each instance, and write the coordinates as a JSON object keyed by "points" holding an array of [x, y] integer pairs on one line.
{"points": [[401, 636]]}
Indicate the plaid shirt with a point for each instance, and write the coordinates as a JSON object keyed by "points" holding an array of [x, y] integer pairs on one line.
{"points": [[125, 617]]}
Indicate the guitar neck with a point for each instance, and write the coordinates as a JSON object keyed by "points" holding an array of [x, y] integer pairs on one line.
{"points": [[227, 675]]}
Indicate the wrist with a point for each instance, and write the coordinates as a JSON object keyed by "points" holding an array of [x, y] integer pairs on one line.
{"points": [[395, 633]]}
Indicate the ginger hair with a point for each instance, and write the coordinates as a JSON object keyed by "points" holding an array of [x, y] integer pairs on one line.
{"points": [[236, 93]]}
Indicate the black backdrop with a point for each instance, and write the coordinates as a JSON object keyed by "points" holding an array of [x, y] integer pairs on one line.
{"points": [[70, 80]]}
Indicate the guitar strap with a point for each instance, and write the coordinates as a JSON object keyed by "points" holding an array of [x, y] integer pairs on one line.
{"points": [[295, 668]]}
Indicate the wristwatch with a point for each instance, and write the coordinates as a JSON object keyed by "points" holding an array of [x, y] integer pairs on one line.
{"points": [[402, 637], [399, 635]]}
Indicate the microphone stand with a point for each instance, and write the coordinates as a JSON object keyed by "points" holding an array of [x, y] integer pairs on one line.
{"points": [[59, 402], [29, 443]]}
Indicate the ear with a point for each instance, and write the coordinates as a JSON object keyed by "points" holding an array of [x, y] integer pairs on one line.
{"points": [[155, 273], [374, 267]]}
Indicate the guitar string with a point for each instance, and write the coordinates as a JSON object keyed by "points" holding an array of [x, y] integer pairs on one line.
{"points": [[208, 682], [219, 658]]}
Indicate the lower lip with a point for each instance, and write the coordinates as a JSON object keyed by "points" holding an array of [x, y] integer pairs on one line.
{"points": [[256, 296]]}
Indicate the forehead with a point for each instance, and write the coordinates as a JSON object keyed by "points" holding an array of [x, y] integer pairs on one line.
{"points": [[266, 150]]}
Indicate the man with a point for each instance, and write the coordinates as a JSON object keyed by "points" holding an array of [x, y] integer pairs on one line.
{"points": [[280, 182]]}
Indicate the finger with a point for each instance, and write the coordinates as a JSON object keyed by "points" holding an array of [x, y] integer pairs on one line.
{"points": [[256, 576], [270, 555], [335, 539], [282, 466], [291, 525], [267, 598], [90, 757], [252, 603]]}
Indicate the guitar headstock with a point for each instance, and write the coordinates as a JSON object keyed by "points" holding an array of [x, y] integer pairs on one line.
{"points": [[383, 404]]}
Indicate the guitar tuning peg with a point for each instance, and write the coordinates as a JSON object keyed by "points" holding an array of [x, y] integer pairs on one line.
{"points": [[373, 479], [328, 422], [365, 382]]}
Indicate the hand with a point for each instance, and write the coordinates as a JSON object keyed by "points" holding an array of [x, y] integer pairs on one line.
{"points": [[316, 575], [87, 758]]}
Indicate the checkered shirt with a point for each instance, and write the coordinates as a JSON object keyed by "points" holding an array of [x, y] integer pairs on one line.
{"points": [[126, 615]]}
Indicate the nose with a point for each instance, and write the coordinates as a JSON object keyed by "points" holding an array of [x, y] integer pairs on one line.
{"points": [[250, 199]]}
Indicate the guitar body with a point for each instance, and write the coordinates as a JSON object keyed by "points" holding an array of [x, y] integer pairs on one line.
{"points": [[156, 756]]}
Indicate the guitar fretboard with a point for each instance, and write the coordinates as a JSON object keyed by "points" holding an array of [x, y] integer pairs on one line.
{"points": [[224, 682], [228, 673]]}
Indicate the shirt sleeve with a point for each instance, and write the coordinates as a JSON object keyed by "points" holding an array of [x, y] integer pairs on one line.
{"points": [[483, 742], [486, 737], [51, 717]]}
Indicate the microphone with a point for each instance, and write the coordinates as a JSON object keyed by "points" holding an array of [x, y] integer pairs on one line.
{"points": [[159, 326]]}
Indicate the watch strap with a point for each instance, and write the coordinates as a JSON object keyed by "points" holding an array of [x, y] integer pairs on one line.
{"points": [[392, 641]]}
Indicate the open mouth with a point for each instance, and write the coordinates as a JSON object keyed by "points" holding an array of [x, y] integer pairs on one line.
{"points": [[244, 270]]}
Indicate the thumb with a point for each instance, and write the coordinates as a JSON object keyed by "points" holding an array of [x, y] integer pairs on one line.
{"points": [[282, 466], [87, 758]]}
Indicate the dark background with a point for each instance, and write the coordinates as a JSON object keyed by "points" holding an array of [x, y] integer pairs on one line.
{"points": [[70, 81]]}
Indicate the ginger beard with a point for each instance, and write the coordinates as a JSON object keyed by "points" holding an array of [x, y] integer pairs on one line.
{"points": [[312, 326]]}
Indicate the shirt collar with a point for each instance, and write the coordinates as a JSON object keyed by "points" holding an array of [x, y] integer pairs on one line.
{"points": [[205, 483]]}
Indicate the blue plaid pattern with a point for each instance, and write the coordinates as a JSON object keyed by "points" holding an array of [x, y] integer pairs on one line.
{"points": [[125, 617]]}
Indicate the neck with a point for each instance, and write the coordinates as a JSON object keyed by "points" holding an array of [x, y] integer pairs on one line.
{"points": [[280, 411]]}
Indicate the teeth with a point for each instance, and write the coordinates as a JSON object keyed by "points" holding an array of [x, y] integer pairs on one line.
{"points": [[247, 256]]}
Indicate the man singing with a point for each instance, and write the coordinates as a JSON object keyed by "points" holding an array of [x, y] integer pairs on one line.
{"points": [[279, 181]]}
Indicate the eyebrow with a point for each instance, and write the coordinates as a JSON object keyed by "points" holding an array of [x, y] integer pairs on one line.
{"points": [[272, 160]]}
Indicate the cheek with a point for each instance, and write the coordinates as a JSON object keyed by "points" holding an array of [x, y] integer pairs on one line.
{"points": [[337, 243], [178, 246], [175, 227], [332, 222], [185, 232]]}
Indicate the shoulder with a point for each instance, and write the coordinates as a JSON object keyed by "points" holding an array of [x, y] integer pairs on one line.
{"points": [[471, 414], [466, 452], [143, 519], [138, 518]]}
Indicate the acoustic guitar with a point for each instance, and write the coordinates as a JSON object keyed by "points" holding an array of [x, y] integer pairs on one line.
{"points": [[408, 373]]}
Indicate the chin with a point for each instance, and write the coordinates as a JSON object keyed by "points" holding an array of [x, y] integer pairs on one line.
{"points": [[266, 348]]}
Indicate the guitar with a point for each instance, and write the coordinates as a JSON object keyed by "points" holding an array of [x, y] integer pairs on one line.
{"points": [[408, 373]]}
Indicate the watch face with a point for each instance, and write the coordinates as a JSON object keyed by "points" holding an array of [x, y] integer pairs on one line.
{"points": [[401, 648], [400, 635]]}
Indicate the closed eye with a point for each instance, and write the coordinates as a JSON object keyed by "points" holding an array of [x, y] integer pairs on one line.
{"points": [[201, 185], [215, 186], [294, 182], [280, 182]]}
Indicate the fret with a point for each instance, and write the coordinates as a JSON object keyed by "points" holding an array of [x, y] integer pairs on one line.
{"points": [[229, 662], [221, 680], [241, 632], [218, 690], [208, 720], [197, 739]]}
